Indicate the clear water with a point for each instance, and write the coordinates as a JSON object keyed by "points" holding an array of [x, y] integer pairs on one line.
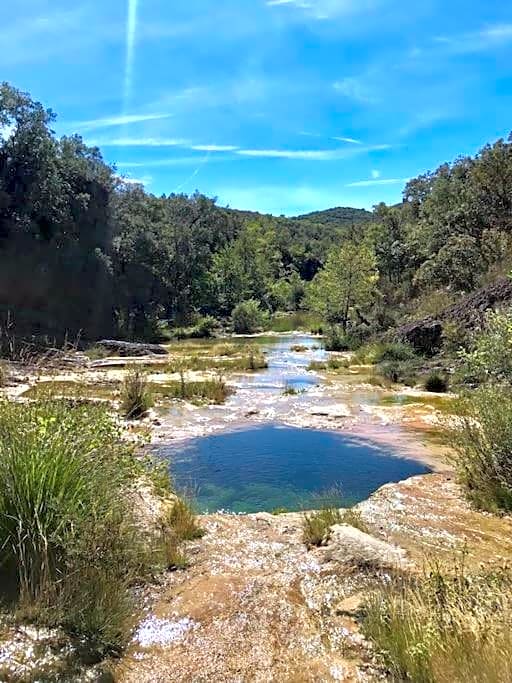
{"points": [[272, 466]]}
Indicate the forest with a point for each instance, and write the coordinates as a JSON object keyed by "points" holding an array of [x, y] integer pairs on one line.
{"points": [[86, 254]]}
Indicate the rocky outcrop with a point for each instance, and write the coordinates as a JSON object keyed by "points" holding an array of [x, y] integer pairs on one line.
{"points": [[124, 348], [425, 335], [349, 545]]}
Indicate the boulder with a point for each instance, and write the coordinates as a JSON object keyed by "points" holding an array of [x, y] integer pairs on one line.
{"points": [[349, 545], [425, 335]]}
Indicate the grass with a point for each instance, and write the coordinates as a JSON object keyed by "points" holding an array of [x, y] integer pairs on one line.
{"points": [[73, 548], [316, 525], [354, 518], [481, 439], [135, 397], [179, 525], [290, 390], [250, 360], [332, 363], [445, 626], [211, 391], [70, 544]]}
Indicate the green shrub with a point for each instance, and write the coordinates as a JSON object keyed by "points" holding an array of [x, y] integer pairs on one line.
{"points": [[247, 317], [337, 340], [70, 545], [482, 443], [354, 518], [490, 357], [436, 382], [316, 525], [179, 525], [444, 626], [398, 372], [380, 352], [135, 396]]}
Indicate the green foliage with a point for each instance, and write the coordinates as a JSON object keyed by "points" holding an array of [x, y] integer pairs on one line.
{"points": [[345, 284], [247, 317], [398, 372], [332, 363], [178, 526], [354, 518], [316, 525], [214, 391], [490, 355], [379, 352], [204, 328], [71, 547], [436, 382], [136, 398], [447, 626], [482, 442]]}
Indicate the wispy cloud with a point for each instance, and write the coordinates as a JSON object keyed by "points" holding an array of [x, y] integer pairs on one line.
{"points": [[375, 174], [326, 9], [350, 141], [214, 148], [486, 38], [381, 181], [140, 142], [311, 154], [122, 120], [355, 89]]}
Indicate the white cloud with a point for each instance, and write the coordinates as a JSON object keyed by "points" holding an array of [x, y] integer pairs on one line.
{"points": [[214, 148], [487, 38], [355, 89], [125, 119], [140, 142], [310, 154], [350, 141], [382, 181], [375, 174], [326, 9], [144, 180]]}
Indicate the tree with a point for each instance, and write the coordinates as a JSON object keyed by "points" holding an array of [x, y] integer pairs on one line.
{"points": [[347, 283]]}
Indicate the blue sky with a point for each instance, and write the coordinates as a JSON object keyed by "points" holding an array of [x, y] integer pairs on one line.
{"points": [[282, 106]]}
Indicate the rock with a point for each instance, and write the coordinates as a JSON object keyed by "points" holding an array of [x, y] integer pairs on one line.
{"points": [[123, 348], [425, 335], [352, 546], [336, 410]]}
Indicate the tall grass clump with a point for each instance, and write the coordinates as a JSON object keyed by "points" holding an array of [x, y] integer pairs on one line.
{"points": [[316, 525], [136, 398], [446, 626], [179, 525], [482, 443], [70, 545]]}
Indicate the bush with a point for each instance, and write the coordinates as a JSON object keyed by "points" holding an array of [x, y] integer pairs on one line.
{"points": [[136, 397], [490, 358], [398, 372], [70, 545], [436, 382], [444, 626], [337, 340], [247, 317], [482, 443], [179, 525], [204, 327], [353, 518], [316, 525], [211, 390]]}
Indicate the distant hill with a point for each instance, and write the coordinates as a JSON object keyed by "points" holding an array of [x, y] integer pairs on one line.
{"points": [[339, 215]]}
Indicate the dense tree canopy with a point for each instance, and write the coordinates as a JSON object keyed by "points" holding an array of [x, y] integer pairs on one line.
{"points": [[82, 252]]}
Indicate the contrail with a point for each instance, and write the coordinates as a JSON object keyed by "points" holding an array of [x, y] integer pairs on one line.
{"points": [[203, 161], [131, 28]]}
